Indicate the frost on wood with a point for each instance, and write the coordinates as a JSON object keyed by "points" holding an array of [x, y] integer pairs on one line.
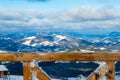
{"points": [[34, 76], [33, 63], [102, 69]]}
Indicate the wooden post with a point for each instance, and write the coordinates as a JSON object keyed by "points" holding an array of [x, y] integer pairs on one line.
{"points": [[110, 75], [27, 71]]}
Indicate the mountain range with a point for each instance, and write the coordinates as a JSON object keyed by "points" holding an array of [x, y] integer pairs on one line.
{"points": [[58, 41]]}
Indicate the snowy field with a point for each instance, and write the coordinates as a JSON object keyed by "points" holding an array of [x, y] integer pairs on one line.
{"points": [[12, 77], [15, 77]]}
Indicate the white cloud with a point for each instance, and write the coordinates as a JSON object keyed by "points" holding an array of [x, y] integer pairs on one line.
{"points": [[72, 19], [87, 16], [13, 19], [86, 13], [19, 14]]}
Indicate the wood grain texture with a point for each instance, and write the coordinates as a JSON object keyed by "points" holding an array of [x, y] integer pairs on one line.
{"points": [[109, 58], [111, 72], [27, 71], [27, 57]]}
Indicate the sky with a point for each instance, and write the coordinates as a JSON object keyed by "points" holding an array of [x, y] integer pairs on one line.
{"points": [[85, 16]]}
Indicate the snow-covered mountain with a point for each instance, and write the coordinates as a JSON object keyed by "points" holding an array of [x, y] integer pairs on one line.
{"points": [[52, 42], [9, 45]]}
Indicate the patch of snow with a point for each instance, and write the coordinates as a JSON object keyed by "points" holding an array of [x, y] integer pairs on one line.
{"points": [[60, 37], [107, 41], [114, 42], [62, 62], [102, 48], [16, 77], [34, 77], [6, 38], [71, 79], [115, 50], [33, 63], [80, 77], [42, 54], [103, 78], [47, 43], [34, 44], [84, 62], [32, 37], [55, 42], [76, 44], [27, 42], [117, 77], [13, 77], [3, 68], [100, 63], [77, 61], [2, 51], [96, 40], [86, 51]]}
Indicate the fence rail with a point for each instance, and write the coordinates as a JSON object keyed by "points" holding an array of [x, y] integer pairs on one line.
{"points": [[27, 58]]}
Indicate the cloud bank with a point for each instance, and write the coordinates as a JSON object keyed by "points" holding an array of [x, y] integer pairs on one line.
{"points": [[85, 17]]}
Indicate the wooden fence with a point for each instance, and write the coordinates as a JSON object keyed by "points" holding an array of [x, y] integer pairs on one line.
{"points": [[29, 69]]}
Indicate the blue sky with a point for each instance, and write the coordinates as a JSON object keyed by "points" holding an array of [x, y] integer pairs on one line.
{"points": [[55, 5], [87, 16]]}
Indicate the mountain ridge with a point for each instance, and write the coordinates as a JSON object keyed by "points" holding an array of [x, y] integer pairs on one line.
{"points": [[54, 42]]}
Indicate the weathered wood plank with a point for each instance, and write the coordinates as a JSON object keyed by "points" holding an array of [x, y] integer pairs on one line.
{"points": [[27, 57], [99, 73], [27, 71], [111, 71], [110, 58]]}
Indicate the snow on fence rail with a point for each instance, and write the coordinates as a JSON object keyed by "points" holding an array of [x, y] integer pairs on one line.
{"points": [[29, 69]]}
